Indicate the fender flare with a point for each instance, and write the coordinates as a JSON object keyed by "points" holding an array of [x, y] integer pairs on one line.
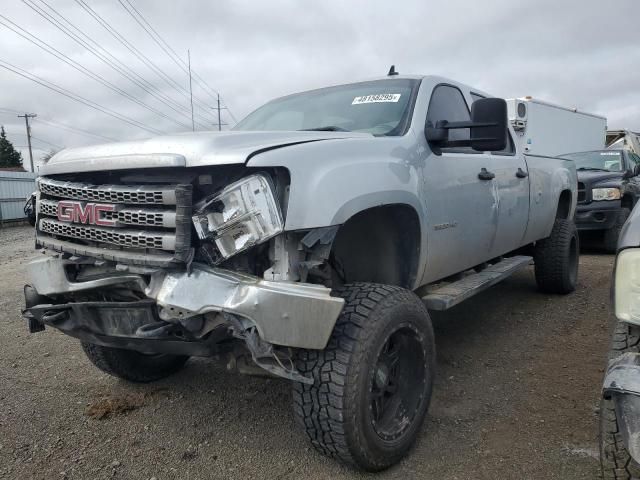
{"points": [[622, 386]]}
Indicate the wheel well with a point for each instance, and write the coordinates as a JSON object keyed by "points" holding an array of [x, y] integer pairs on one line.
{"points": [[380, 245], [564, 204], [627, 201]]}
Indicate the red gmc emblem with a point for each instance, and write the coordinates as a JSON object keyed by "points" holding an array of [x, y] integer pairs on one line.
{"points": [[90, 213]]}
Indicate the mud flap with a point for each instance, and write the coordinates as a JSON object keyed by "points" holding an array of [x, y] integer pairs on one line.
{"points": [[622, 385]]}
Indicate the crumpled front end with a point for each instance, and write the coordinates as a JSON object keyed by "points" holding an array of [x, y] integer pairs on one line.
{"points": [[188, 304], [181, 261]]}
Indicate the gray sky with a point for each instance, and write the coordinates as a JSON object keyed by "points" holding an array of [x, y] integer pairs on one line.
{"points": [[578, 53]]}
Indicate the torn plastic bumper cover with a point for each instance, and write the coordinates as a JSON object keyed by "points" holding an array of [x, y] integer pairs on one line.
{"points": [[622, 386], [284, 313]]}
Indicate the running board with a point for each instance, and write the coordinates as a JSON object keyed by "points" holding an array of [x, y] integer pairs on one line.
{"points": [[445, 297]]}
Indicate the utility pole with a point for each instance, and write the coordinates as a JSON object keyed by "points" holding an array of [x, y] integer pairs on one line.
{"points": [[219, 124], [193, 125], [26, 117], [219, 108]]}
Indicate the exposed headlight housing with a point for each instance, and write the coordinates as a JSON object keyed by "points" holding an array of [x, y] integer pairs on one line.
{"points": [[244, 214], [627, 286], [598, 194]]}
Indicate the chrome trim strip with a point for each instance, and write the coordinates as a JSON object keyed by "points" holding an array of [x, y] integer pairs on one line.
{"points": [[139, 194]]}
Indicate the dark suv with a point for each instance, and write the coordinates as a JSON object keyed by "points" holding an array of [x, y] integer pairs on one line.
{"points": [[608, 189]]}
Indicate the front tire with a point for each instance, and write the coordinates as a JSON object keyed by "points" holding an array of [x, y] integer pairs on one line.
{"points": [[556, 258], [611, 236], [615, 460], [131, 365], [373, 381]]}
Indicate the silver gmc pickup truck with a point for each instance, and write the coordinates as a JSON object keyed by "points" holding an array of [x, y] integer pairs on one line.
{"points": [[308, 243]]}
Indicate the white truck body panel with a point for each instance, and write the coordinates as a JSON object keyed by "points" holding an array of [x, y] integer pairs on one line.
{"points": [[546, 129]]}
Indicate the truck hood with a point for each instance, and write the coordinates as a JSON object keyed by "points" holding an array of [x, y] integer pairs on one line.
{"points": [[182, 150], [591, 176]]}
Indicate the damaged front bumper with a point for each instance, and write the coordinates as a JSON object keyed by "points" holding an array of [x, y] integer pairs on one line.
{"points": [[622, 386], [283, 313]]}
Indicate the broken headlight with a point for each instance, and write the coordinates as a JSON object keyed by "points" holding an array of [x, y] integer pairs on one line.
{"points": [[627, 286], [242, 215]]}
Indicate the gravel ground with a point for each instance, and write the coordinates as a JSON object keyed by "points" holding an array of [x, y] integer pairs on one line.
{"points": [[516, 397]]}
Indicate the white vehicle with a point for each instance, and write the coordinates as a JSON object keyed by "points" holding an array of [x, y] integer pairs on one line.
{"points": [[625, 140], [546, 129]]}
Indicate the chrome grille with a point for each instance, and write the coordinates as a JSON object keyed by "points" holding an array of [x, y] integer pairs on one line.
{"points": [[143, 217], [144, 194], [152, 222], [123, 238]]}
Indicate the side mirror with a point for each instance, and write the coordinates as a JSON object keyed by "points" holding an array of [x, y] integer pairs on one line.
{"points": [[488, 127], [489, 124], [631, 172]]}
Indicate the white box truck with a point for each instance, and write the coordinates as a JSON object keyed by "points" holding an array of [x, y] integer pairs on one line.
{"points": [[543, 128]]}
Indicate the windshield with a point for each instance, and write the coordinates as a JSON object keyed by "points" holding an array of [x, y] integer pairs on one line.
{"points": [[599, 160], [380, 107]]}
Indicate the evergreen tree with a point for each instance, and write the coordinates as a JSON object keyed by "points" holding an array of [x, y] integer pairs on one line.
{"points": [[9, 156]]}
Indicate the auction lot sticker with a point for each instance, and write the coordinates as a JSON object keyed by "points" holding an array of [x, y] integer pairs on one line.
{"points": [[380, 98]]}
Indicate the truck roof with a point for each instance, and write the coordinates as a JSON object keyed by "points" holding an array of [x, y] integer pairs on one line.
{"points": [[434, 78]]}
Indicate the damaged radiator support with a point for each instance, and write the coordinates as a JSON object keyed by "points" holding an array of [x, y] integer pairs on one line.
{"points": [[264, 354]]}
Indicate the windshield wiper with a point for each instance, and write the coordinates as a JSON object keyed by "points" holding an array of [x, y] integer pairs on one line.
{"points": [[593, 169], [328, 128]]}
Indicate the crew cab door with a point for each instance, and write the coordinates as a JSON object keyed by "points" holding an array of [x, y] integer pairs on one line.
{"points": [[512, 179], [461, 194]]}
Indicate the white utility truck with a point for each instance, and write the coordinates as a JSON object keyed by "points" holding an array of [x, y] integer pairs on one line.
{"points": [[546, 129]]}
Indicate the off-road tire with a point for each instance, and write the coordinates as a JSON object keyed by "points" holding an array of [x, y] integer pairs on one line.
{"points": [[610, 241], [614, 459], [131, 365], [556, 258], [336, 411]]}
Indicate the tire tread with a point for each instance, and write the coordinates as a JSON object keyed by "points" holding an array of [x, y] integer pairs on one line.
{"points": [[615, 461], [551, 258], [322, 409], [132, 366]]}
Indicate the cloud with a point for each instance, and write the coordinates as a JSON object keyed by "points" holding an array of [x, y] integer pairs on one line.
{"points": [[575, 53]]}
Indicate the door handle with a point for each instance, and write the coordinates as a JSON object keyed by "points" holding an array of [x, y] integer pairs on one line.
{"points": [[521, 173], [486, 175]]}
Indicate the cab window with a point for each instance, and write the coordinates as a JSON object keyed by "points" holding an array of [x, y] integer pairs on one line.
{"points": [[448, 103]]}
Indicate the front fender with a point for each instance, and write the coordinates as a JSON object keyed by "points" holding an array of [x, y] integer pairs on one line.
{"points": [[622, 386], [333, 180]]}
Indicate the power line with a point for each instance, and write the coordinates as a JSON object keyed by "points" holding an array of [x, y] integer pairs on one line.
{"points": [[171, 53], [47, 142], [79, 67], [233, 117], [40, 140], [33, 148], [137, 53], [101, 53], [62, 126], [115, 64], [62, 91], [155, 36], [75, 130]]}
